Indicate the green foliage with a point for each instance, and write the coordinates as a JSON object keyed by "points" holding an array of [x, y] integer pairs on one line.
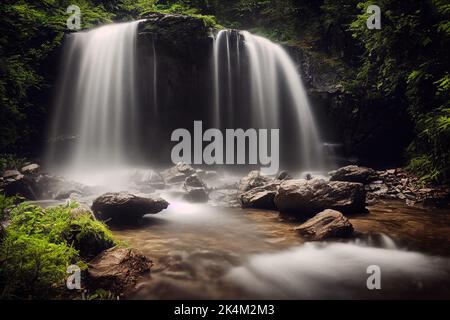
{"points": [[41, 243], [5, 204], [31, 266], [31, 31], [11, 161], [60, 225], [407, 62]]}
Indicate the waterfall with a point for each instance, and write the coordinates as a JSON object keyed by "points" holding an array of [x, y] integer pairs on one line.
{"points": [[97, 99], [269, 70], [109, 115]]}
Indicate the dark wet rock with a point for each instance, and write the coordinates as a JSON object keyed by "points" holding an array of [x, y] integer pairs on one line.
{"points": [[194, 181], [177, 173], [117, 269], [325, 225], [354, 173], [20, 185], [283, 175], [436, 200], [306, 197], [11, 174], [260, 197], [196, 189], [252, 180], [124, 207], [225, 198], [196, 194], [88, 241], [31, 168], [397, 184]]}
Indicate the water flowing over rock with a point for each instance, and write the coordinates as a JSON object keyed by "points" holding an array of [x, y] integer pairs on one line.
{"points": [[325, 225], [117, 269], [125, 87], [98, 97], [123, 207], [354, 174], [305, 197], [241, 58]]}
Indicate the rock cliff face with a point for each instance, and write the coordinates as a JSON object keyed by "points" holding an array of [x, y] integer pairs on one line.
{"points": [[370, 133], [176, 51]]}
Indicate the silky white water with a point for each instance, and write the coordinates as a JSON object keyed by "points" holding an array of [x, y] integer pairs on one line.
{"points": [[97, 99], [270, 70]]}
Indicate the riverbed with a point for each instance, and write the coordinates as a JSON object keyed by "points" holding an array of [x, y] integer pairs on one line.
{"points": [[209, 252]]}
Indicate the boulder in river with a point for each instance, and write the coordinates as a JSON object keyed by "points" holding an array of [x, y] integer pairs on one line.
{"points": [[252, 180], [124, 207], [306, 197], [353, 173], [20, 185], [117, 269], [196, 189], [260, 197], [325, 225], [30, 168], [11, 174], [194, 181], [177, 173]]}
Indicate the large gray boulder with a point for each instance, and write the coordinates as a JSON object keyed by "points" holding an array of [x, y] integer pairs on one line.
{"points": [[307, 197], [354, 173], [117, 269], [124, 207], [260, 197], [325, 225], [252, 180]]}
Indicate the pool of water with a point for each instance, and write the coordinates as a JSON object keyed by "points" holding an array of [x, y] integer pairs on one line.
{"points": [[207, 252]]}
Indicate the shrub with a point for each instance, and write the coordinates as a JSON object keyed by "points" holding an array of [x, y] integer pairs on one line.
{"points": [[6, 203], [59, 225], [32, 266], [41, 243]]}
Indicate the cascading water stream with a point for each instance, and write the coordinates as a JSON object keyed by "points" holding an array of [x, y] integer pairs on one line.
{"points": [[269, 70], [97, 101]]}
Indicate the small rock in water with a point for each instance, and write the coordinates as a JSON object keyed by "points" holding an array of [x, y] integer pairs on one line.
{"points": [[177, 173], [354, 174], [325, 225], [196, 195], [11, 174], [124, 207], [252, 180], [260, 197], [31, 168], [117, 269], [196, 189]]}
